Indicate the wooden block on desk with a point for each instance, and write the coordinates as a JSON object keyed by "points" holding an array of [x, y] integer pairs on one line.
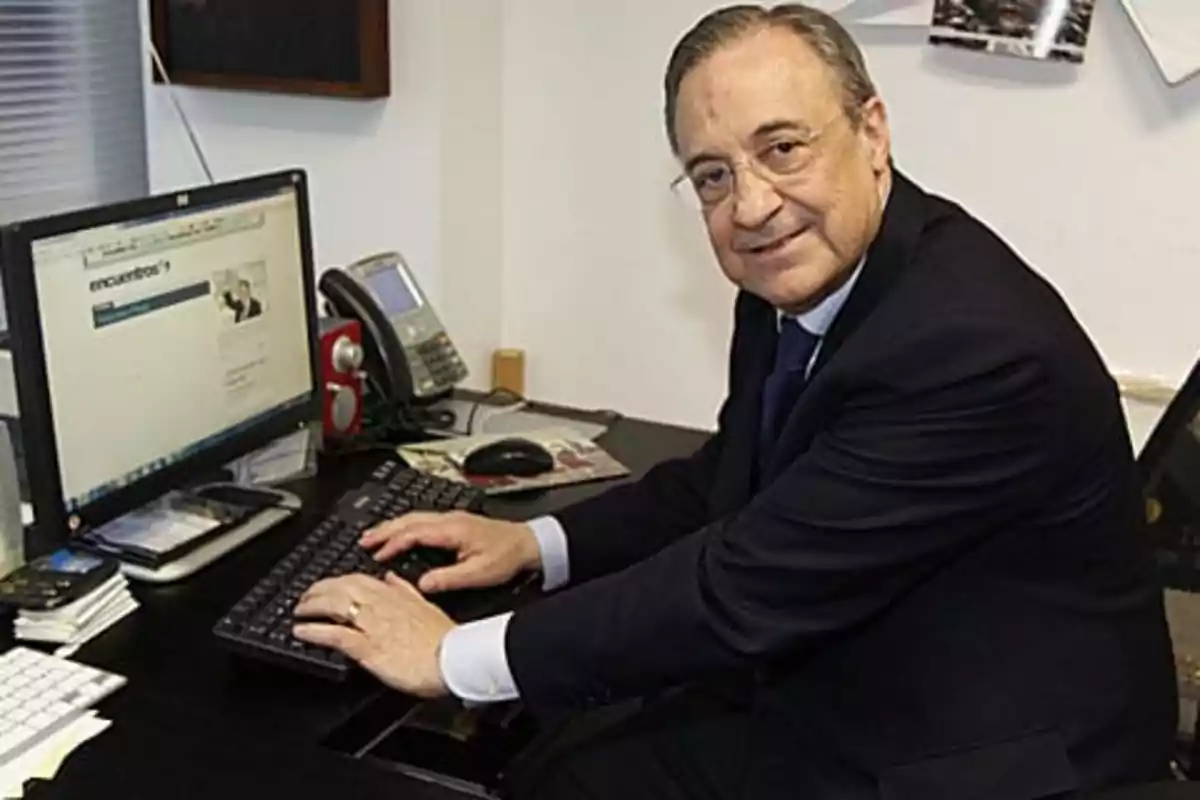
{"points": [[508, 370]]}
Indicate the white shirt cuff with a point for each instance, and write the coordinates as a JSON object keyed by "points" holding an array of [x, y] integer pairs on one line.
{"points": [[474, 662], [552, 542]]}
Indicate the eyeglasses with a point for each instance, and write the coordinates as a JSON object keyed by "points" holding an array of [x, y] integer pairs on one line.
{"points": [[711, 183]]}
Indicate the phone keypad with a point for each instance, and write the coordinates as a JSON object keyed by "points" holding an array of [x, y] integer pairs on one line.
{"points": [[442, 363]]}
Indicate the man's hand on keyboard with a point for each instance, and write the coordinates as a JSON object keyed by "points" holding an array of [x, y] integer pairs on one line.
{"points": [[386, 626], [490, 552]]}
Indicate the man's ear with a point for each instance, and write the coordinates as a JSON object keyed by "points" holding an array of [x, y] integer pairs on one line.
{"points": [[876, 134]]}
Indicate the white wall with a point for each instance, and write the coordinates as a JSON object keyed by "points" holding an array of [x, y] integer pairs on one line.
{"points": [[608, 283], [472, 151], [1090, 172], [383, 172]]}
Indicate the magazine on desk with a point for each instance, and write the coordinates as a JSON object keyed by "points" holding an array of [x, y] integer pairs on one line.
{"points": [[577, 459]]}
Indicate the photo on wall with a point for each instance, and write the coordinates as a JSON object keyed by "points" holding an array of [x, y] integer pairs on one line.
{"points": [[1048, 30]]}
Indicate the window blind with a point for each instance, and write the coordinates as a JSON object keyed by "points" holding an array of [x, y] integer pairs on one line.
{"points": [[72, 116]]}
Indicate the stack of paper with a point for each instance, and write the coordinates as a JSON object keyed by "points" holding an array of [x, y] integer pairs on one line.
{"points": [[43, 760], [80, 621]]}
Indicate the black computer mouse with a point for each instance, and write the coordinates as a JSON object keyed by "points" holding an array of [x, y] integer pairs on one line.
{"points": [[519, 458]]}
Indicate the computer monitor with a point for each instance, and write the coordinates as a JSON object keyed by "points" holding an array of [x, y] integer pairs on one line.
{"points": [[156, 340]]}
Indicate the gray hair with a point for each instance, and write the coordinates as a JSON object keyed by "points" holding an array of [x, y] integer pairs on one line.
{"points": [[824, 34]]}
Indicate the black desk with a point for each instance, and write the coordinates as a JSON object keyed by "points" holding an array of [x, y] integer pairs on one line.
{"points": [[196, 721]]}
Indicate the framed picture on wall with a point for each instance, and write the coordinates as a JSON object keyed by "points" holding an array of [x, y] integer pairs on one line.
{"points": [[1053, 30], [321, 47]]}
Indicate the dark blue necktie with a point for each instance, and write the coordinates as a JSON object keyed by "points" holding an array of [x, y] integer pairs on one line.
{"points": [[786, 382]]}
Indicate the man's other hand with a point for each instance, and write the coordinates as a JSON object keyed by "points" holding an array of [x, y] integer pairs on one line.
{"points": [[490, 552], [386, 626]]}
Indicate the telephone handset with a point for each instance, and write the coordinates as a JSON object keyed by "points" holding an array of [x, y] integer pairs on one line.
{"points": [[405, 346]]}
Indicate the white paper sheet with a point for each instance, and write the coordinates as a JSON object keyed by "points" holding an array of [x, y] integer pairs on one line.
{"points": [[1171, 31], [282, 460], [44, 760]]}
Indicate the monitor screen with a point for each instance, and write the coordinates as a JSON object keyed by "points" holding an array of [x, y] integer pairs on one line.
{"points": [[396, 295], [164, 336]]}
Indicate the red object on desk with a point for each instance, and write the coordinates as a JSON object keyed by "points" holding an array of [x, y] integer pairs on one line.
{"points": [[341, 377]]}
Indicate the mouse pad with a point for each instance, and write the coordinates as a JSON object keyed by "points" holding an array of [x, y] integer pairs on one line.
{"points": [[577, 459]]}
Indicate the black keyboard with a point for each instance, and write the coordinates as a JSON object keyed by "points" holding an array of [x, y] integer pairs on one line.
{"points": [[260, 624]]}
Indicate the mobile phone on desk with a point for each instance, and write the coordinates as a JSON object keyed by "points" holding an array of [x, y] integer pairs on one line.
{"points": [[53, 581]]}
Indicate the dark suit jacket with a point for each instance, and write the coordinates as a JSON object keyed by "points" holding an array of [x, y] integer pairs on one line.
{"points": [[243, 311], [938, 584]]}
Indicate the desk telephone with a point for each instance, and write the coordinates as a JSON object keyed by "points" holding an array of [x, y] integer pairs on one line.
{"points": [[406, 350]]}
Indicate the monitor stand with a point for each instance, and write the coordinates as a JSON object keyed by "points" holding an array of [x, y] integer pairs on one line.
{"points": [[284, 505]]}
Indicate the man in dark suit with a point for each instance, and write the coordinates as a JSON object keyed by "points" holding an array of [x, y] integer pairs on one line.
{"points": [[906, 566], [244, 306]]}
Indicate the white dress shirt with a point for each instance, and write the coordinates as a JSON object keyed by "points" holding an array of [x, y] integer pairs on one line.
{"points": [[473, 658]]}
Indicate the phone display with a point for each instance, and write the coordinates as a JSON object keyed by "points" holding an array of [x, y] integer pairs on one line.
{"points": [[396, 296]]}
